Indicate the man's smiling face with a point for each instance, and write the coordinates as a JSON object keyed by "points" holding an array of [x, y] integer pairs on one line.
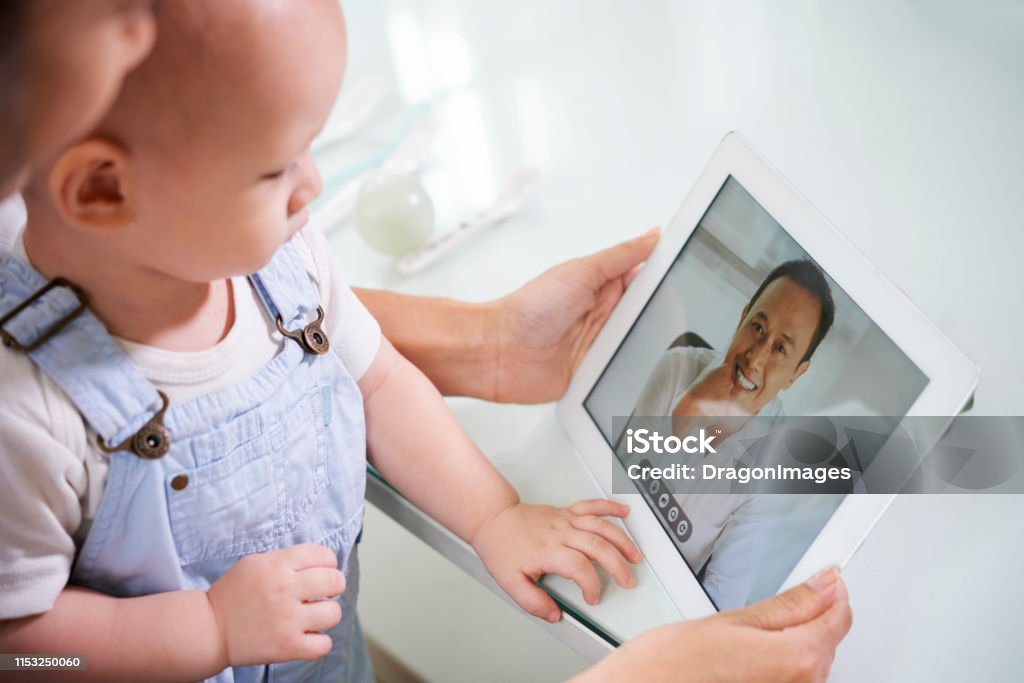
{"points": [[767, 350]]}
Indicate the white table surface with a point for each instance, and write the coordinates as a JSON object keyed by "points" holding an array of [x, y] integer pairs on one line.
{"points": [[899, 120]]}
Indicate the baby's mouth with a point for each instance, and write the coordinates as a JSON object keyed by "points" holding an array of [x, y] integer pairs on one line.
{"points": [[742, 381]]}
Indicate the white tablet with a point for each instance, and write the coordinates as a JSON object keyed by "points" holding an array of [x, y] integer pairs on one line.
{"points": [[752, 304]]}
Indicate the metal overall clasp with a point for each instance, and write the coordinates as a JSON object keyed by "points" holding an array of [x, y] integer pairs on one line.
{"points": [[9, 339], [312, 337], [151, 442]]}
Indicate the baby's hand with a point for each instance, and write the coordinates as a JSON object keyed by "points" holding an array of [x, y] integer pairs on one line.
{"points": [[268, 606], [523, 542]]}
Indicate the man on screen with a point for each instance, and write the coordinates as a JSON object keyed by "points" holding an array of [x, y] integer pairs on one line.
{"points": [[727, 537], [778, 332]]}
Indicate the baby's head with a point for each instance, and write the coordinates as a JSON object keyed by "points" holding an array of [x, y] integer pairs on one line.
{"points": [[202, 168]]}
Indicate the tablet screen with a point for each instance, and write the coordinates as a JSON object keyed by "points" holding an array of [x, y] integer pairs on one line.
{"points": [[744, 322]]}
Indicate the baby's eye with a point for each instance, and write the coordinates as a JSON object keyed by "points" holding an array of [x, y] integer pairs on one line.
{"points": [[280, 173]]}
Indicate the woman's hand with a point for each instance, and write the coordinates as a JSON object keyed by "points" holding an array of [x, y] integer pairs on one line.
{"points": [[790, 638], [542, 330], [521, 348]]}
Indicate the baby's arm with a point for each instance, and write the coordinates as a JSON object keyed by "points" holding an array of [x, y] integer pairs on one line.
{"points": [[162, 637], [418, 445], [255, 613]]}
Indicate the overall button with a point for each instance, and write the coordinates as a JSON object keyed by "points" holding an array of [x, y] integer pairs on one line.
{"points": [[315, 340], [152, 441], [179, 482]]}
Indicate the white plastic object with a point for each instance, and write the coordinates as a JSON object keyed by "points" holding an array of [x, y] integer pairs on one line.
{"points": [[409, 156], [394, 213], [513, 196]]}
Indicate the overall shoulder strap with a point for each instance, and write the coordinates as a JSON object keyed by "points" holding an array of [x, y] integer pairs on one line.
{"points": [[285, 288], [81, 358]]}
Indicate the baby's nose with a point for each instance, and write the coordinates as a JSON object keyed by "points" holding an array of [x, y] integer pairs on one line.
{"points": [[309, 187]]}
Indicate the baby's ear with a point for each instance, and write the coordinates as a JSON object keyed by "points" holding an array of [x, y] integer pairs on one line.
{"points": [[91, 185]]}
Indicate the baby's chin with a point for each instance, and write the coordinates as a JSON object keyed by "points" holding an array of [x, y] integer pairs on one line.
{"points": [[256, 253], [253, 262]]}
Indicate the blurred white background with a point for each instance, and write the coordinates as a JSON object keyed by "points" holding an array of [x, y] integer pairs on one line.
{"points": [[900, 120]]}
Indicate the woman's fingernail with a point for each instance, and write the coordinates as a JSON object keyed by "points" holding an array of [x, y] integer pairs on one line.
{"points": [[823, 579], [653, 231], [553, 616]]}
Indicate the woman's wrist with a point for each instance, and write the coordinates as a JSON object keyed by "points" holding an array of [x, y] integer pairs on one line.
{"points": [[453, 343]]}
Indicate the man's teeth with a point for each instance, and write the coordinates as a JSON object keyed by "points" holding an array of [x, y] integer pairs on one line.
{"points": [[744, 382]]}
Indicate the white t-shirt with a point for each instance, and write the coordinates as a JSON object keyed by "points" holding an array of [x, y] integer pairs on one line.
{"points": [[52, 473], [12, 218]]}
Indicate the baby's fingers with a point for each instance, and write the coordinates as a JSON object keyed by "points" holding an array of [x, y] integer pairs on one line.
{"points": [[599, 507], [604, 553], [611, 533], [531, 598], [311, 646], [320, 582], [321, 615], [306, 555], [574, 566]]}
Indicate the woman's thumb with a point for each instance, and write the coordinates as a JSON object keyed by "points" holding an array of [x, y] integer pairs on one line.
{"points": [[794, 607]]}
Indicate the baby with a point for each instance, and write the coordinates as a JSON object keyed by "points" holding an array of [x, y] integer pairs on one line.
{"points": [[184, 461]]}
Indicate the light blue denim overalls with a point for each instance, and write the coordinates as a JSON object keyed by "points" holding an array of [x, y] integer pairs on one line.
{"points": [[274, 461]]}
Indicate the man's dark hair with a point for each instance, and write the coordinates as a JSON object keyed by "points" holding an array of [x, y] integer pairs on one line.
{"points": [[810, 277]]}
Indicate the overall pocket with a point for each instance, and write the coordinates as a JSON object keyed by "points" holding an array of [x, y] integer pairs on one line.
{"points": [[249, 499]]}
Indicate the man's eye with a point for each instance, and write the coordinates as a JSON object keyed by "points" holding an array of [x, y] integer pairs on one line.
{"points": [[273, 176], [781, 349], [758, 328]]}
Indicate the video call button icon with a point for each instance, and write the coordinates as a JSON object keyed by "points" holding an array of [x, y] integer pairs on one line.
{"points": [[668, 508], [678, 522]]}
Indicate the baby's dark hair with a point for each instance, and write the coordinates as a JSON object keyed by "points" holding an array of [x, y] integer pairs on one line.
{"points": [[806, 274]]}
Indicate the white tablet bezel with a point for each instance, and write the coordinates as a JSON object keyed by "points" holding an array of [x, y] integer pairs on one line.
{"points": [[952, 376]]}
